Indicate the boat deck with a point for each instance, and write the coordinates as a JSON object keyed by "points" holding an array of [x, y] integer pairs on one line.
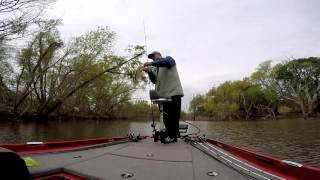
{"points": [[144, 159]]}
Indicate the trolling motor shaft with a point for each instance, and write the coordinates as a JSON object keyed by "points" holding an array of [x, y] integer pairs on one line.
{"points": [[161, 133]]}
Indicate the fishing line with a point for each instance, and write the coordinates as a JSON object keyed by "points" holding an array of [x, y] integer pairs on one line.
{"points": [[146, 48]]}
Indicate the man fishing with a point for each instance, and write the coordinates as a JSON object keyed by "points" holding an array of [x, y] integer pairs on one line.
{"points": [[163, 73]]}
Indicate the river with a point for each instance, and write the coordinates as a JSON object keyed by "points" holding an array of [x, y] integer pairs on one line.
{"points": [[293, 139]]}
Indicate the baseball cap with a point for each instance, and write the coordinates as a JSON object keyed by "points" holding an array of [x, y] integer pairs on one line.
{"points": [[153, 53]]}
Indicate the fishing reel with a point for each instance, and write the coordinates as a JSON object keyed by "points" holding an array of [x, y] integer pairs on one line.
{"points": [[134, 138]]}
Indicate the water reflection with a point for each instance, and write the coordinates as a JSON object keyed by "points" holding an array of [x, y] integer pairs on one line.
{"points": [[294, 139]]}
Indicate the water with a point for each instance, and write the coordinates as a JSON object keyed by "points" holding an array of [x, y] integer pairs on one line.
{"points": [[292, 139]]}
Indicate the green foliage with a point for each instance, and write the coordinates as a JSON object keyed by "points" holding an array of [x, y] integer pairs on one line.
{"points": [[6, 72], [184, 115], [228, 98], [284, 109], [197, 104], [299, 83], [138, 110], [80, 77], [18, 15], [268, 91], [220, 110], [83, 76]]}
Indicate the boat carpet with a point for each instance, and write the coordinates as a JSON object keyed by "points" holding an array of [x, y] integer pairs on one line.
{"points": [[144, 160]]}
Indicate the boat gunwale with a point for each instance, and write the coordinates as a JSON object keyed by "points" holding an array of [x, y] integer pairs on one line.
{"points": [[62, 146], [268, 163]]}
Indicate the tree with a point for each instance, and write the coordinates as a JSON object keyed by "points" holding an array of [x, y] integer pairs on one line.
{"points": [[232, 99], [299, 82], [35, 62], [264, 77], [268, 90], [137, 110], [6, 71], [197, 105], [222, 101], [18, 15], [83, 74]]}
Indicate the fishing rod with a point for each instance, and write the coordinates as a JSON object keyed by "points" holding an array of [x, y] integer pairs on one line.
{"points": [[149, 82], [131, 75]]}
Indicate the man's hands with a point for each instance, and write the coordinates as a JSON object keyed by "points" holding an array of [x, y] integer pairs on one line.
{"points": [[147, 64], [146, 67]]}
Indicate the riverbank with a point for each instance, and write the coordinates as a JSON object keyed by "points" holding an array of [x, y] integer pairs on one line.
{"points": [[6, 113], [278, 117], [8, 116]]}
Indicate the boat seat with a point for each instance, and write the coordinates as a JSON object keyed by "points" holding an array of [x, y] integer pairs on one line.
{"points": [[156, 99]]}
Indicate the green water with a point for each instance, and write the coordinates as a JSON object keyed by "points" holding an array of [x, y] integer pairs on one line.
{"points": [[292, 139]]}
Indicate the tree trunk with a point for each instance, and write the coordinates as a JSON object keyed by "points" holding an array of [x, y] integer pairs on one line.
{"points": [[34, 79], [303, 110]]}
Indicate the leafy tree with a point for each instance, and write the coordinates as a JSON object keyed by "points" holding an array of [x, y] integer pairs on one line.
{"points": [[36, 61], [234, 99], [140, 109], [83, 75], [264, 77], [221, 101], [15, 18], [6, 71], [299, 82], [239, 94], [197, 105], [18, 15], [269, 89]]}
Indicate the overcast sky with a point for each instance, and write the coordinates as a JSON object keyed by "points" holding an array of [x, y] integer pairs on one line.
{"points": [[211, 40]]}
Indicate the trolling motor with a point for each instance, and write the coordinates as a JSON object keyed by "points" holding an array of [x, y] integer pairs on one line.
{"points": [[161, 133]]}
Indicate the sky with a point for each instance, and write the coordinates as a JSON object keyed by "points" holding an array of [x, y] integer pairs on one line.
{"points": [[212, 41]]}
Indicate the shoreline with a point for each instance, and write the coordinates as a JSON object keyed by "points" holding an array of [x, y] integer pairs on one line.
{"points": [[6, 114], [62, 117]]}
